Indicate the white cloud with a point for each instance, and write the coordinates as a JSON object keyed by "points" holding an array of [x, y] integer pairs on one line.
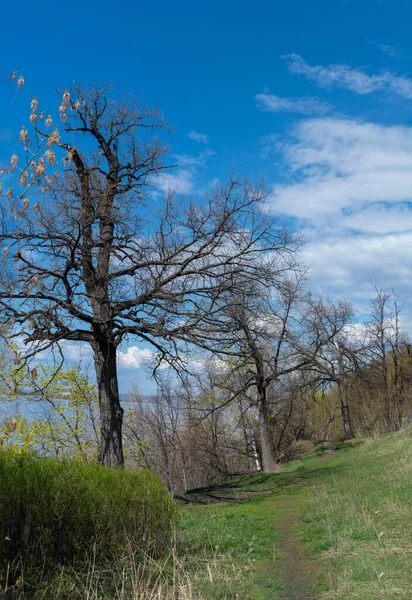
{"points": [[188, 160], [201, 138], [183, 179], [338, 164], [134, 357], [379, 219], [355, 80], [73, 352], [180, 181], [349, 187], [305, 106], [77, 351], [347, 265]]}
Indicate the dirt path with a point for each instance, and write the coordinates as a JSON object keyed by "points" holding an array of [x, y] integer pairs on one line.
{"points": [[328, 452], [300, 573], [285, 572]]}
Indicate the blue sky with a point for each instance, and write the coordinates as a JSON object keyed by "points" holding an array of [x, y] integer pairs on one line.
{"points": [[314, 96]]}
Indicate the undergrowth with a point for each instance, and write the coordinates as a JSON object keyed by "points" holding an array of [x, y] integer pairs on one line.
{"points": [[347, 512], [55, 514]]}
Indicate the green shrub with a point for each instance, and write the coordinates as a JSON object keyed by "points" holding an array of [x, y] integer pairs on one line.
{"points": [[59, 512]]}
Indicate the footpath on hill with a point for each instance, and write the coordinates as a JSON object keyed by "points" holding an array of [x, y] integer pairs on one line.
{"points": [[299, 571], [334, 525], [253, 524]]}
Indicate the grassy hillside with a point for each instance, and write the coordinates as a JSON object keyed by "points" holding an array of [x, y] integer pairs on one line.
{"points": [[334, 525]]}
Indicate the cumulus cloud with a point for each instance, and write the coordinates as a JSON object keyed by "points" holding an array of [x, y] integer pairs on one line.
{"points": [[379, 219], [342, 164], [134, 357], [73, 352], [306, 106], [77, 351], [180, 182], [347, 265], [349, 187], [353, 79], [201, 138]]}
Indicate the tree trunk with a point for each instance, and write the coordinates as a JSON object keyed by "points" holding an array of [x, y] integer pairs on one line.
{"points": [[400, 394], [111, 413], [256, 458], [398, 388], [347, 426], [399, 420], [385, 377], [269, 464]]}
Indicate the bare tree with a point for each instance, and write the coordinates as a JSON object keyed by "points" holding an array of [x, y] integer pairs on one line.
{"points": [[164, 432], [268, 348], [399, 350], [337, 348], [387, 353], [100, 256], [380, 329]]}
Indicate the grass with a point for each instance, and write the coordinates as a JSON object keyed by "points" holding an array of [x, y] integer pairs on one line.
{"points": [[239, 529], [233, 540], [329, 526], [358, 520], [335, 527]]}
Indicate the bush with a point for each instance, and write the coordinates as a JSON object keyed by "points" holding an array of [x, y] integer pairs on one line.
{"points": [[296, 450], [59, 512]]}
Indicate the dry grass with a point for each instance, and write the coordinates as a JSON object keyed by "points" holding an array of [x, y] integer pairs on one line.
{"points": [[137, 577]]}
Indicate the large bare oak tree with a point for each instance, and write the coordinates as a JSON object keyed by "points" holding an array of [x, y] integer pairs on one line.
{"points": [[94, 254]]}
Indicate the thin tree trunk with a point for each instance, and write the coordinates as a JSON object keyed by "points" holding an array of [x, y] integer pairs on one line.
{"points": [[385, 377], [285, 424], [398, 362], [111, 413], [269, 464], [256, 455], [399, 393], [399, 421], [347, 426]]}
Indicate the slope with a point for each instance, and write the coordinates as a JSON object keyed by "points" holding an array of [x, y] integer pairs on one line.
{"points": [[333, 525]]}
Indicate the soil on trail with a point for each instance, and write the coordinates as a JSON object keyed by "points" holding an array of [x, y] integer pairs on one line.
{"points": [[328, 452], [299, 572], [289, 572]]}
